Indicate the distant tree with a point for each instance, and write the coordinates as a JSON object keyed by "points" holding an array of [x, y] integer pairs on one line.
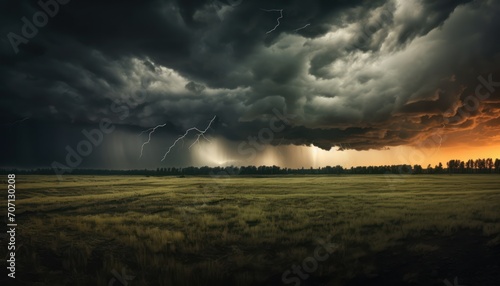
{"points": [[450, 164], [454, 166], [489, 164], [469, 165], [417, 169], [429, 169], [439, 168]]}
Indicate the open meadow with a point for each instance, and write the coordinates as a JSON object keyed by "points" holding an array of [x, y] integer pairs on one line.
{"points": [[297, 230]]}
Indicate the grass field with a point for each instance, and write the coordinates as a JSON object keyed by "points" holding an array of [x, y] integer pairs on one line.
{"points": [[253, 231]]}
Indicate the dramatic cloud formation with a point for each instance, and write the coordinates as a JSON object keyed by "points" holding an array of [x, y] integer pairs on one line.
{"points": [[365, 74]]}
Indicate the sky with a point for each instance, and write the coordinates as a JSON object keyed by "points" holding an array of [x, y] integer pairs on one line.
{"points": [[288, 83]]}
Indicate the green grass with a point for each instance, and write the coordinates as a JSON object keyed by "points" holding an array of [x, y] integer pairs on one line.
{"points": [[244, 231]]}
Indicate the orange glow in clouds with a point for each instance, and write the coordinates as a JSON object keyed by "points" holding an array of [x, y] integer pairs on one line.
{"points": [[219, 152]]}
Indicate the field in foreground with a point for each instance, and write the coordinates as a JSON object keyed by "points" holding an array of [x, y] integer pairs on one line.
{"points": [[343, 230]]}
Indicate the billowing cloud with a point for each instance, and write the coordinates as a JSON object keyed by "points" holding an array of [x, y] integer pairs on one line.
{"points": [[371, 74]]}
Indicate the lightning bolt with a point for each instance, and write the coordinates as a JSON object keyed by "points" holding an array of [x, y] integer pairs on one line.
{"points": [[277, 20], [140, 134], [151, 131], [440, 138], [301, 28], [201, 133]]}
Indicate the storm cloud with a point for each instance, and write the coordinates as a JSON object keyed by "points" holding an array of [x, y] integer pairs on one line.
{"points": [[370, 74]]}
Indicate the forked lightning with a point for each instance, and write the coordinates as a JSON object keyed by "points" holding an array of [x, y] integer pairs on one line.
{"points": [[277, 20], [151, 131], [201, 133]]}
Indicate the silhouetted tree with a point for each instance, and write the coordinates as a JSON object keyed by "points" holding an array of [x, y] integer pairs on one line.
{"points": [[439, 168], [489, 164]]}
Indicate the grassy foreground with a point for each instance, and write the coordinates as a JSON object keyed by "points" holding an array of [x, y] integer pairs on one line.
{"points": [[250, 231]]}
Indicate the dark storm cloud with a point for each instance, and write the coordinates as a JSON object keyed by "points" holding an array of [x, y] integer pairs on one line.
{"points": [[195, 87], [373, 74], [433, 14]]}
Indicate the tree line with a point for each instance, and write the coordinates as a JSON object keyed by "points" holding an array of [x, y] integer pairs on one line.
{"points": [[478, 166], [474, 166]]}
